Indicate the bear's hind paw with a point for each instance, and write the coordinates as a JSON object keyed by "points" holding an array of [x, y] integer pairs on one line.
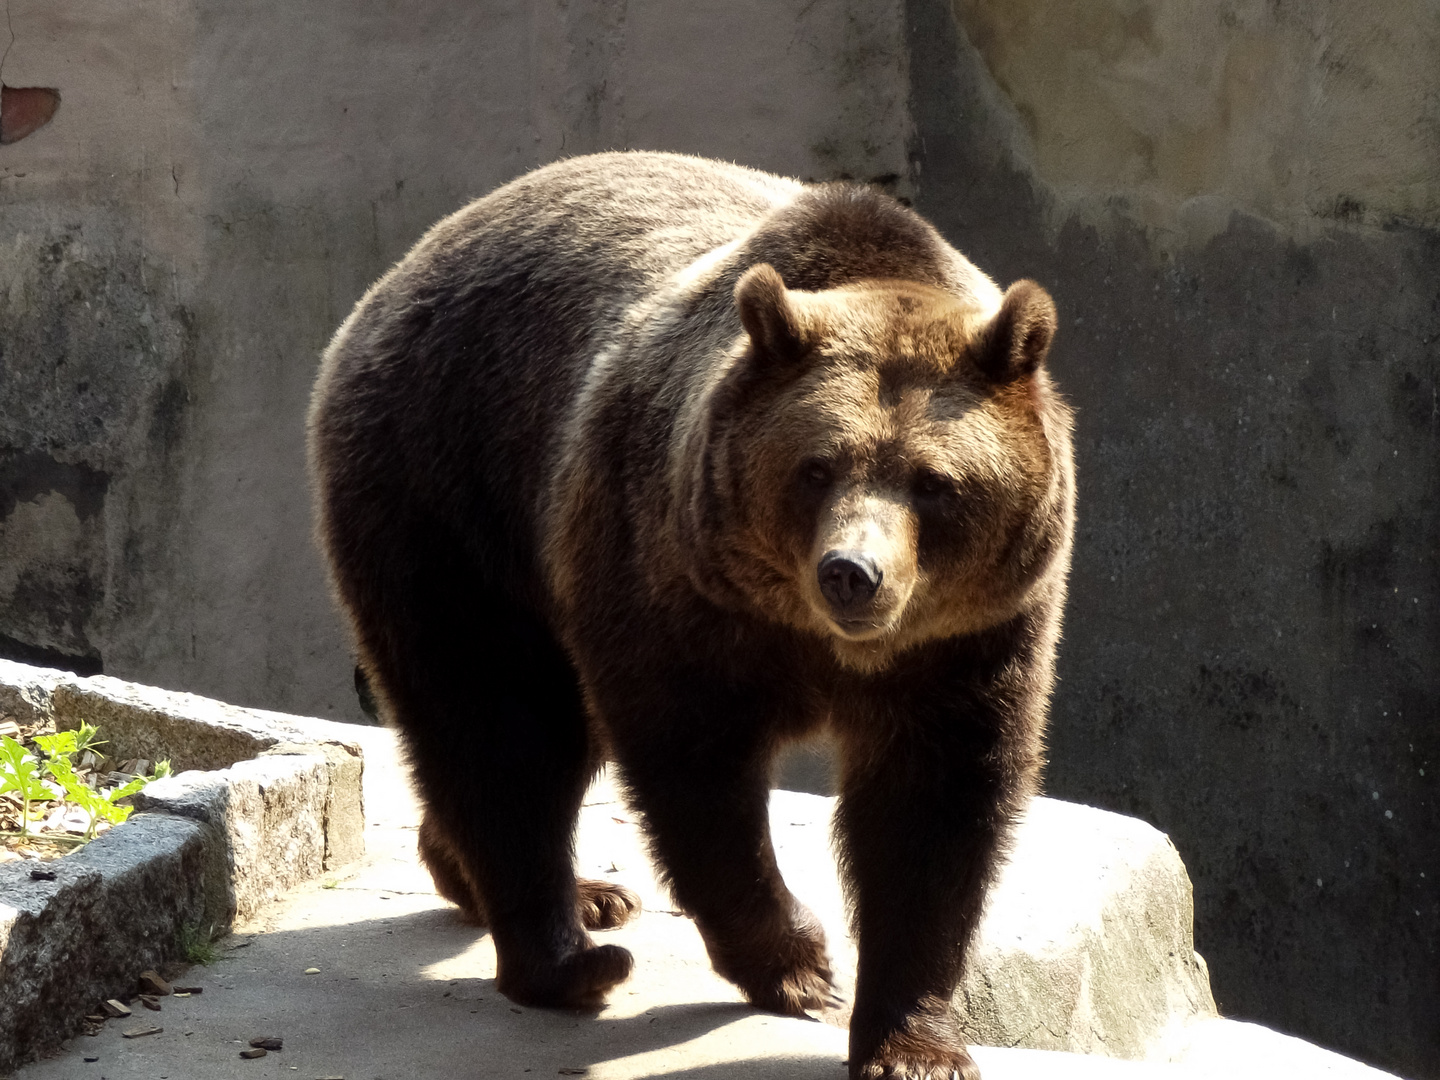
{"points": [[606, 906], [579, 981], [802, 987]]}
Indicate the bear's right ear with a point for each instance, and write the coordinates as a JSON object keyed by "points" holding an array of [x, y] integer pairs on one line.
{"points": [[768, 316], [1019, 336]]}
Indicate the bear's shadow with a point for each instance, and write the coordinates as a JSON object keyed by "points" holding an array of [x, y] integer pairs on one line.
{"points": [[401, 955]]}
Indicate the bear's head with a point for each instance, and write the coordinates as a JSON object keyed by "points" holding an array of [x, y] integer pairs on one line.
{"points": [[886, 464]]}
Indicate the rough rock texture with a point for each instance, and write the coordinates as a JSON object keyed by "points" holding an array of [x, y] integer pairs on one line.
{"points": [[344, 798], [113, 911], [1087, 941], [25, 691], [193, 732], [143, 722], [269, 819]]}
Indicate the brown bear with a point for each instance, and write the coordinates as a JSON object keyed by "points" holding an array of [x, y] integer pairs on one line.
{"points": [[670, 462]]}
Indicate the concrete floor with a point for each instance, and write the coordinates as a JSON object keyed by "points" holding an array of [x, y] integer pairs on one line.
{"points": [[404, 990]]}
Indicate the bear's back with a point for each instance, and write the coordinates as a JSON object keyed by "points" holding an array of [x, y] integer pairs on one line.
{"points": [[459, 365]]}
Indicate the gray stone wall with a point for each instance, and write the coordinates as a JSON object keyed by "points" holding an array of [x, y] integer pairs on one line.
{"points": [[1249, 334], [1236, 207]]}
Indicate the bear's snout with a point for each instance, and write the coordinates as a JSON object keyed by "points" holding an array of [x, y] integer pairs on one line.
{"points": [[863, 564], [848, 580]]}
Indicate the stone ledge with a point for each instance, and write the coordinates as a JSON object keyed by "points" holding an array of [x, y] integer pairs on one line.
{"points": [[266, 802], [144, 721], [113, 910], [266, 819]]}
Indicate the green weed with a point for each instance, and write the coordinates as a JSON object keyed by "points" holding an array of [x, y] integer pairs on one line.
{"points": [[196, 945], [51, 777]]}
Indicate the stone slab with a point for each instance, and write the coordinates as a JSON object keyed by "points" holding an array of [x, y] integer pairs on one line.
{"points": [[138, 721], [113, 910], [267, 820], [25, 691], [207, 848]]}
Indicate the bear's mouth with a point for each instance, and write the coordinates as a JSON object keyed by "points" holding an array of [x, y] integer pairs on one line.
{"points": [[858, 629]]}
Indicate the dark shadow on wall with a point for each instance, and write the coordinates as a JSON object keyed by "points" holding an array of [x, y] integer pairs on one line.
{"points": [[62, 596], [25, 653], [1250, 645], [24, 477]]}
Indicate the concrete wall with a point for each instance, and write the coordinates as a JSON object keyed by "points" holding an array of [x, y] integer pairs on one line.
{"points": [[1236, 206], [219, 186]]}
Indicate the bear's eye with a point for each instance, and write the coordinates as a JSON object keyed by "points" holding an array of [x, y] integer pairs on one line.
{"points": [[816, 474], [930, 484]]}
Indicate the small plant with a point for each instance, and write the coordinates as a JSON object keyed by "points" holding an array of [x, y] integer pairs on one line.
{"points": [[196, 945], [20, 773], [48, 776]]}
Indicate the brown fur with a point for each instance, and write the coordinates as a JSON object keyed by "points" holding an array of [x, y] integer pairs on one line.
{"points": [[602, 905], [659, 459]]}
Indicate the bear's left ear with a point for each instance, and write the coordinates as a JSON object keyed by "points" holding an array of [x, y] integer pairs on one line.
{"points": [[1019, 336], [768, 316]]}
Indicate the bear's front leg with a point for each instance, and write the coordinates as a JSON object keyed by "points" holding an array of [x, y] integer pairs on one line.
{"points": [[924, 810], [695, 757]]}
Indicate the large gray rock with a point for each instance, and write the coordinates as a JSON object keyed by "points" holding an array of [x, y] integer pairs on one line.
{"points": [[1087, 942]]}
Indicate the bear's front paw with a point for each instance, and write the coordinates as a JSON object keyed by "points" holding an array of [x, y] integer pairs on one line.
{"points": [[803, 988], [791, 976], [605, 906], [923, 1051]]}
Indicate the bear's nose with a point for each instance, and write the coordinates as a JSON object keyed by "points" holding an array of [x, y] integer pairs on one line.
{"points": [[848, 579]]}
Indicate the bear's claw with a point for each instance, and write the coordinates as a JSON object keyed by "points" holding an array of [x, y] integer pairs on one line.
{"points": [[793, 978], [796, 993], [927, 1048]]}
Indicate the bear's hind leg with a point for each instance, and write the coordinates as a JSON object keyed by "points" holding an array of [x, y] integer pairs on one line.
{"points": [[603, 905], [496, 733], [447, 870]]}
